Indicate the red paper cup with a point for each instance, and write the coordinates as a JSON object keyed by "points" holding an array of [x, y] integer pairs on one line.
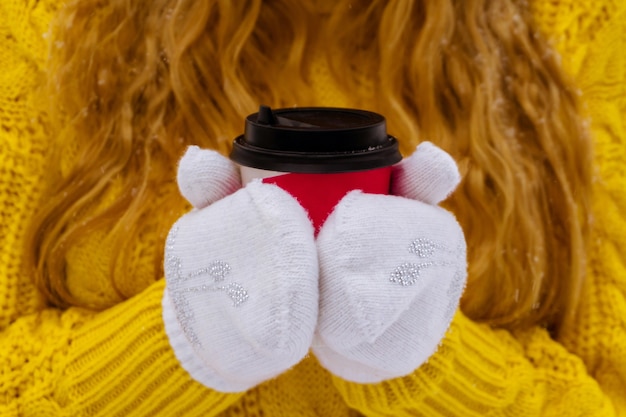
{"points": [[320, 193], [317, 154]]}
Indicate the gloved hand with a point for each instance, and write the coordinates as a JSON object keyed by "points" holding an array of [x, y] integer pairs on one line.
{"points": [[241, 270], [392, 270]]}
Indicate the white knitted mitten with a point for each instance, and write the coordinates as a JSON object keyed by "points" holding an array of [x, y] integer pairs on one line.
{"points": [[241, 299], [392, 270]]}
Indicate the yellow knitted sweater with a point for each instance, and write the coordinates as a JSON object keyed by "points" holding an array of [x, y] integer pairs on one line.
{"points": [[119, 363]]}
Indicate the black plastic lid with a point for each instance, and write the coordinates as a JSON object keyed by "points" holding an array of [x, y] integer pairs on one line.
{"points": [[315, 140]]}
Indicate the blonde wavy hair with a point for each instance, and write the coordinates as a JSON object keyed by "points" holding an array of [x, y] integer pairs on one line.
{"points": [[134, 85]]}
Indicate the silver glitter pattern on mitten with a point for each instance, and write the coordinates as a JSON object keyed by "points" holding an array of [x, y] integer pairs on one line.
{"points": [[409, 273], [217, 270]]}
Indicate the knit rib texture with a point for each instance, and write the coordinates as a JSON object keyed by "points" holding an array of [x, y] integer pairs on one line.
{"points": [[79, 362]]}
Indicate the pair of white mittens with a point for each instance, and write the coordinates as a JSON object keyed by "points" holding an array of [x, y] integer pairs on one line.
{"points": [[249, 290]]}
